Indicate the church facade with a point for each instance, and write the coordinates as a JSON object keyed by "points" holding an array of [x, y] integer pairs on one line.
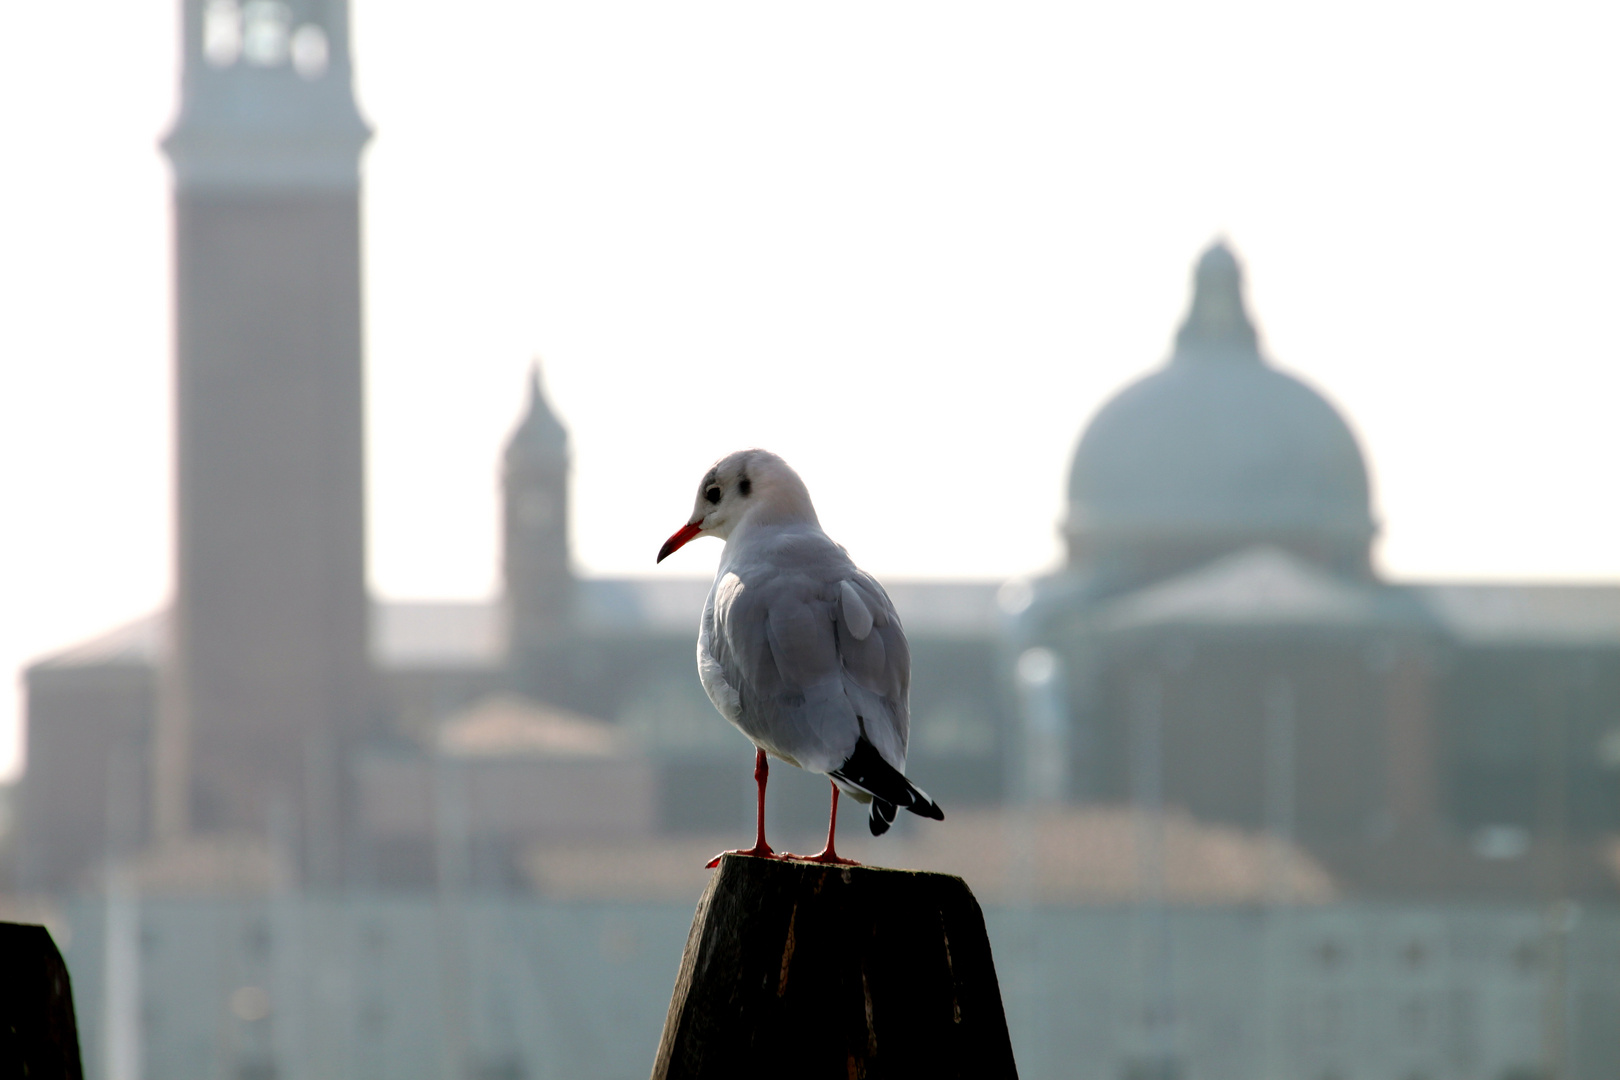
{"points": [[1230, 650]]}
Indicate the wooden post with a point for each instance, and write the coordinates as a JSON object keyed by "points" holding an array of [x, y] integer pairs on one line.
{"points": [[39, 1037], [796, 969]]}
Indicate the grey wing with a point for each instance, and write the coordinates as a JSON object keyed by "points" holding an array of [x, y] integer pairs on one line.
{"points": [[877, 664], [805, 667], [717, 683], [768, 657]]}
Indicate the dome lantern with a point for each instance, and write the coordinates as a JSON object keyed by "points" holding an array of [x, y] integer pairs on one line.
{"points": [[1217, 326]]}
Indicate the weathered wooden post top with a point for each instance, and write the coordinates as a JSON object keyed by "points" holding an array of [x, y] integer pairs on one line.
{"points": [[39, 1036], [800, 969]]}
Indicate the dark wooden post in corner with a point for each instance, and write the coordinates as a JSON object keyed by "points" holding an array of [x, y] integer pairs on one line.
{"points": [[39, 1037], [795, 969]]}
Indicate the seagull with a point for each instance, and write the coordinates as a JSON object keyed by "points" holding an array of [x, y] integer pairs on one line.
{"points": [[799, 647]]}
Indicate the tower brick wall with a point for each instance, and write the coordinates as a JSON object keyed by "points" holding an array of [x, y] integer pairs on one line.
{"points": [[270, 674]]}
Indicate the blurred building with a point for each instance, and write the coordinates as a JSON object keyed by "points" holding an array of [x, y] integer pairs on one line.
{"points": [[1230, 650], [267, 683], [1217, 644], [581, 693], [274, 721], [243, 706]]}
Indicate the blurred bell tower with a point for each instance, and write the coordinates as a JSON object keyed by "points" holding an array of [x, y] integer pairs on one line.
{"points": [[269, 670], [535, 561]]}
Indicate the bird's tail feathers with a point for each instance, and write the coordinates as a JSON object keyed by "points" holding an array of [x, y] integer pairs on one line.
{"points": [[890, 790], [882, 816]]}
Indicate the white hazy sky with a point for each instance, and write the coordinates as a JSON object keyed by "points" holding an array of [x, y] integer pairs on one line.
{"points": [[911, 246]]}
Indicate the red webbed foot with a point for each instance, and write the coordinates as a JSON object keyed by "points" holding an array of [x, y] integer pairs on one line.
{"points": [[758, 851], [826, 856]]}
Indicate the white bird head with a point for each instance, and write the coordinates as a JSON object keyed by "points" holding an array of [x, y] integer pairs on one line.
{"points": [[750, 485]]}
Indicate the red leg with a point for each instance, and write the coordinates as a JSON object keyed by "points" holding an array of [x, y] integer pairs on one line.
{"points": [[760, 850], [827, 854]]}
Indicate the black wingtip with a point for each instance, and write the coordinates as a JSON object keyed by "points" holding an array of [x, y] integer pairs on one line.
{"points": [[889, 788], [882, 816]]}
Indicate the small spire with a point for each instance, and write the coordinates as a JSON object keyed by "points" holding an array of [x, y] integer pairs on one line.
{"points": [[1217, 326], [540, 436]]}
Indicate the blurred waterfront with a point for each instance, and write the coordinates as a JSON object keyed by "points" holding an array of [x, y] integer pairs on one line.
{"points": [[501, 986]]}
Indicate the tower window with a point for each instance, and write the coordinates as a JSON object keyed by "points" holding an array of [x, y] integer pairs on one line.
{"points": [[309, 51], [222, 33], [266, 27]]}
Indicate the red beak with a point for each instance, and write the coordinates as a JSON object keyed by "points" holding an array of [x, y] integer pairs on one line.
{"points": [[685, 533]]}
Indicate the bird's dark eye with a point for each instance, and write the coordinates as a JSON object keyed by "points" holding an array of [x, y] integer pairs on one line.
{"points": [[713, 495], [745, 486]]}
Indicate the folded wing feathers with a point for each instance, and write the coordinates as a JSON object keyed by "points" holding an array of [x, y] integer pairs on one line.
{"points": [[774, 666], [857, 616]]}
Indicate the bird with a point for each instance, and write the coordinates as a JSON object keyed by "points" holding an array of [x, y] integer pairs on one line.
{"points": [[800, 648]]}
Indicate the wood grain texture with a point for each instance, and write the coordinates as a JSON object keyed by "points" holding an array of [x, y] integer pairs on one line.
{"points": [[796, 969]]}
